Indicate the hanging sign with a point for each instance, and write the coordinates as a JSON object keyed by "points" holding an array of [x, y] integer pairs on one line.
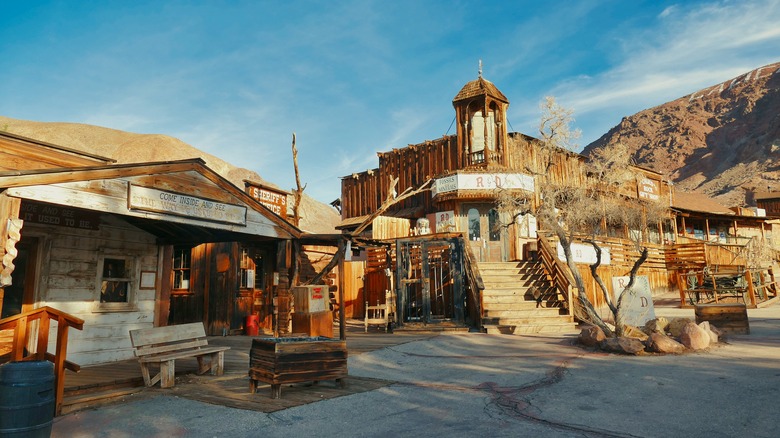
{"points": [[275, 200], [483, 181]]}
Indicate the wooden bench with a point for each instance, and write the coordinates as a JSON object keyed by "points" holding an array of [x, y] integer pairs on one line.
{"points": [[163, 345]]}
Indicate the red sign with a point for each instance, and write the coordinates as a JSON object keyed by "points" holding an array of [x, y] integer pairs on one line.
{"points": [[316, 293], [275, 200]]}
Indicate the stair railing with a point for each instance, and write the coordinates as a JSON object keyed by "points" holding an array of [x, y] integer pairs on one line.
{"points": [[21, 325], [474, 279], [557, 271]]}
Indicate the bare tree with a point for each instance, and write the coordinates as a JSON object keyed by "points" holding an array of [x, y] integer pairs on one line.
{"points": [[298, 194]]}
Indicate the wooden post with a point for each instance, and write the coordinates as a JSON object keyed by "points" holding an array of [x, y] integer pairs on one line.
{"points": [[59, 362], [342, 325], [751, 289]]}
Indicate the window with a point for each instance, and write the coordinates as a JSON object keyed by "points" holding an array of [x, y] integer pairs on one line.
{"points": [[494, 224], [182, 263], [474, 228], [247, 270], [115, 282]]}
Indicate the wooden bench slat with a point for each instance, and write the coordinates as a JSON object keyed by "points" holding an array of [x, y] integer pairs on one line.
{"points": [[182, 354], [157, 349], [161, 335]]}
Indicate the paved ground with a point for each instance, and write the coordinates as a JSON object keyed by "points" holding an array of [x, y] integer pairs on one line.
{"points": [[494, 385]]}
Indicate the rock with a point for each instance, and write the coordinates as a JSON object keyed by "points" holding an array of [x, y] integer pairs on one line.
{"points": [[694, 337], [705, 325], [660, 343], [623, 345], [633, 332], [591, 336], [676, 325], [657, 325]]}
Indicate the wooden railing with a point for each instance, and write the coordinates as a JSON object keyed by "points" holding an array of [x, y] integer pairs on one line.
{"points": [[474, 281], [21, 326], [557, 271]]}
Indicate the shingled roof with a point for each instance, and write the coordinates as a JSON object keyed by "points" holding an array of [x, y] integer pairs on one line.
{"points": [[699, 202], [480, 87]]}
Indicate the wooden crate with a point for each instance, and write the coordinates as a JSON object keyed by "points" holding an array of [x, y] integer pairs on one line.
{"points": [[727, 317], [279, 361]]}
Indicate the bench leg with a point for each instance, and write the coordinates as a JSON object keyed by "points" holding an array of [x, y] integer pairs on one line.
{"points": [[218, 363], [276, 391], [202, 365], [252, 386], [340, 383], [167, 374], [145, 373]]}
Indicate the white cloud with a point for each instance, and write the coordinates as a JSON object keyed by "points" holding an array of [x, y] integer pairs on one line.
{"points": [[688, 49]]}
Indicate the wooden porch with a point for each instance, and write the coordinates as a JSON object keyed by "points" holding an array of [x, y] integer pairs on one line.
{"points": [[122, 381]]}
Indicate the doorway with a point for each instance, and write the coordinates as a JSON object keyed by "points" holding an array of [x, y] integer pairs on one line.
{"points": [[20, 295], [430, 285], [486, 233]]}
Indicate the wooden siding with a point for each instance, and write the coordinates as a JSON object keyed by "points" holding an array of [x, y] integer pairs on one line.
{"points": [[20, 153], [111, 196], [68, 274]]}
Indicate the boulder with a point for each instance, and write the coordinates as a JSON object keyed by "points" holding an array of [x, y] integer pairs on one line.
{"points": [[657, 325], [676, 325], [694, 337], [591, 336], [623, 345], [705, 325], [634, 332], [660, 343]]}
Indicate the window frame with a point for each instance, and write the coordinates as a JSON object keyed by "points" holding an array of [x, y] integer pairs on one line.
{"points": [[130, 279], [188, 270]]}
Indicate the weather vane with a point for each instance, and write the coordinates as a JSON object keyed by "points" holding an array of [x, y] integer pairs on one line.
{"points": [[480, 68]]}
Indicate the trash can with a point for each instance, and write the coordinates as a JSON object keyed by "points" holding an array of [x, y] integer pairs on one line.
{"points": [[26, 399], [252, 325]]}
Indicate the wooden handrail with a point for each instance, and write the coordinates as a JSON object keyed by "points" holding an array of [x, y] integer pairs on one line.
{"points": [[20, 324], [476, 284], [557, 271]]}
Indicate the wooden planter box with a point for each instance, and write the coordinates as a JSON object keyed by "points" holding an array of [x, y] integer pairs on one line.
{"points": [[729, 318], [278, 361]]}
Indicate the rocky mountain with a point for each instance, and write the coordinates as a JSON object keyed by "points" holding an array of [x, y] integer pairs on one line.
{"points": [[127, 147], [723, 141]]}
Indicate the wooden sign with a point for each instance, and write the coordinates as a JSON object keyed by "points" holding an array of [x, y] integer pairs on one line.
{"points": [[275, 200], [149, 199], [37, 213], [649, 189], [483, 181]]}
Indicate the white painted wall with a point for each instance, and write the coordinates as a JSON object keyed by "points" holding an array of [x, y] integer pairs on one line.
{"points": [[67, 280]]}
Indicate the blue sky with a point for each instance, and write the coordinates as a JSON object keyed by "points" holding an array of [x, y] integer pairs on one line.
{"points": [[351, 78]]}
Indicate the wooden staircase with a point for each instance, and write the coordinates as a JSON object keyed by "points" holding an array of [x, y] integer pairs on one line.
{"points": [[519, 299]]}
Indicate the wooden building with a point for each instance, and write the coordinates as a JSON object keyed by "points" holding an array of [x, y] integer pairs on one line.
{"points": [[467, 173], [128, 246]]}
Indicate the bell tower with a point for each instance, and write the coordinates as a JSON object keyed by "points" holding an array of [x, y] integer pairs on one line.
{"points": [[480, 111]]}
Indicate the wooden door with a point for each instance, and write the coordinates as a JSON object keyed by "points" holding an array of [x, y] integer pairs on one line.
{"points": [[486, 232]]}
